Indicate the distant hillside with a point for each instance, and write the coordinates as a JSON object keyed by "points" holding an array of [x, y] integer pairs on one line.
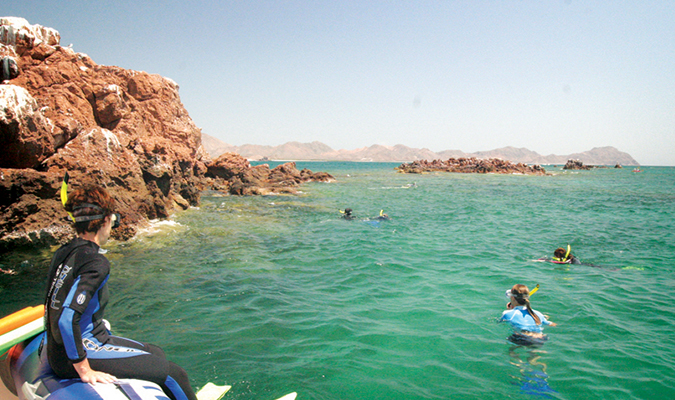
{"points": [[399, 153]]}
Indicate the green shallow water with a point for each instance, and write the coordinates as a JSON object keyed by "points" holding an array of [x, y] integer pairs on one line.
{"points": [[277, 294]]}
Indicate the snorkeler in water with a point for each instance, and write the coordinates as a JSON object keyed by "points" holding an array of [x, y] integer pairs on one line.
{"points": [[560, 256], [382, 216], [347, 214], [564, 256], [526, 322]]}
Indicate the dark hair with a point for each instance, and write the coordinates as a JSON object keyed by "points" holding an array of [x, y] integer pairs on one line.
{"points": [[90, 201], [522, 296], [560, 253]]}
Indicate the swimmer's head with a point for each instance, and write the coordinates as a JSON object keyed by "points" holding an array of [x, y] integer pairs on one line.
{"points": [[348, 211], [519, 293], [559, 253], [89, 207], [520, 296]]}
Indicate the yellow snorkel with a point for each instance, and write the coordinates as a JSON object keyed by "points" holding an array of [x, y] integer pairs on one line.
{"points": [[566, 256], [381, 213], [533, 291], [64, 194]]}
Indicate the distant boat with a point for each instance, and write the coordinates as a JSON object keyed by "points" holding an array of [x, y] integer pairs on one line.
{"points": [[637, 170]]}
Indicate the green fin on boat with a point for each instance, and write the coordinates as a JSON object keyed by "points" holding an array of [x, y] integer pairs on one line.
{"points": [[211, 391]]}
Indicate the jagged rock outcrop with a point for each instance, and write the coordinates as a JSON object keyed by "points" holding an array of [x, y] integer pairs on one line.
{"points": [[470, 165], [576, 164], [122, 129], [233, 174]]}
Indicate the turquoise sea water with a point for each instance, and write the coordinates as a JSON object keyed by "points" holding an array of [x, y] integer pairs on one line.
{"points": [[277, 294]]}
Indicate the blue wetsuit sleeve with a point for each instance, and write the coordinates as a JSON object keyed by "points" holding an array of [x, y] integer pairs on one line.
{"points": [[91, 277], [505, 316], [69, 325]]}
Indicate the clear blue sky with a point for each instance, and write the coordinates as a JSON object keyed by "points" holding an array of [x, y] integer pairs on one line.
{"points": [[554, 76]]}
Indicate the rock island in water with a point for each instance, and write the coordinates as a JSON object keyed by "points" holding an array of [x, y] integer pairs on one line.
{"points": [[470, 166]]}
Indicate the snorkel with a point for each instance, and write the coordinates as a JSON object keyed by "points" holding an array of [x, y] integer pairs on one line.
{"points": [[569, 248], [564, 258], [64, 194]]}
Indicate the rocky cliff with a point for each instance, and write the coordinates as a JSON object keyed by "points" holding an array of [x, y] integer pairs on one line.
{"points": [[125, 130]]}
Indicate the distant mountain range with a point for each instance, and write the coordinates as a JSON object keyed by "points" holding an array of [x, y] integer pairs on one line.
{"points": [[316, 151]]}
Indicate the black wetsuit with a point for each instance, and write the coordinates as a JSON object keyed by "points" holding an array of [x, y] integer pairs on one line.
{"points": [[574, 260], [75, 302]]}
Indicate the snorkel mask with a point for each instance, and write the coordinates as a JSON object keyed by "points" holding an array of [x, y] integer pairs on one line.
{"points": [[533, 291], [116, 217], [509, 294]]}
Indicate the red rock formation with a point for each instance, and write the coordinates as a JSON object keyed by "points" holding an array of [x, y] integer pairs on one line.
{"points": [[125, 130], [470, 165], [234, 174]]}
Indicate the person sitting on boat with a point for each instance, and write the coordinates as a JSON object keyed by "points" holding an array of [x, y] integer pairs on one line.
{"points": [[564, 256], [526, 322], [79, 345]]}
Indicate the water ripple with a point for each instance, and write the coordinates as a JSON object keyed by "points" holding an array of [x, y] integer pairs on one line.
{"points": [[277, 294]]}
